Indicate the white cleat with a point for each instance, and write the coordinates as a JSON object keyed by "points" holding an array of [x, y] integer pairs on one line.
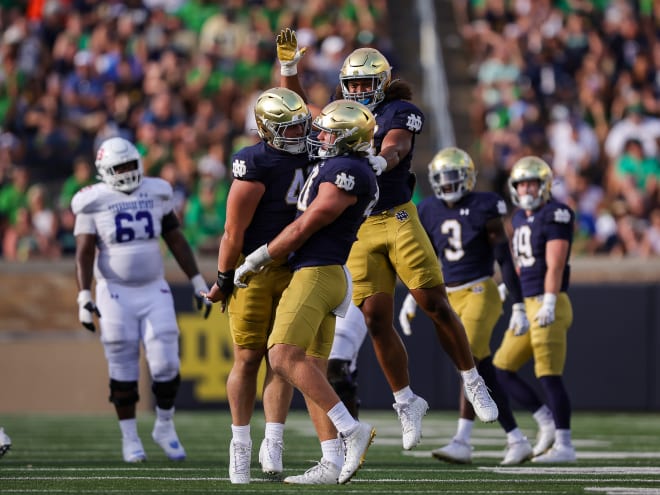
{"points": [[544, 439], [558, 453], [483, 404], [456, 452], [5, 442], [517, 453], [356, 444], [324, 473], [240, 457], [270, 456], [165, 436], [411, 415], [132, 450]]}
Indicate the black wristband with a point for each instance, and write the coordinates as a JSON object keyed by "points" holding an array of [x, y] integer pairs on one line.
{"points": [[225, 282]]}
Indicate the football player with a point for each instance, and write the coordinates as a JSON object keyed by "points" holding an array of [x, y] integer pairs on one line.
{"points": [[262, 201], [337, 197], [392, 242], [5, 442], [119, 222], [542, 238], [468, 236]]}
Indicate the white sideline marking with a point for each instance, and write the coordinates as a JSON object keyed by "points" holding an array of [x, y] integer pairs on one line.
{"points": [[611, 470], [620, 490], [581, 454]]}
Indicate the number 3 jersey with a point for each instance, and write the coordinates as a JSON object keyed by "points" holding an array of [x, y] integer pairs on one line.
{"points": [[553, 220], [459, 234], [128, 229]]}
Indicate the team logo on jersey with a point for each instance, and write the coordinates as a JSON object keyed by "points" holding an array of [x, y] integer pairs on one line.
{"points": [[345, 182], [501, 207], [562, 215], [464, 212], [414, 123], [238, 168], [401, 215]]}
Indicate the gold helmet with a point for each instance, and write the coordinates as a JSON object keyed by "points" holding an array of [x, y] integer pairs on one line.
{"points": [[366, 63], [278, 109], [350, 122], [452, 174], [530, 168]]}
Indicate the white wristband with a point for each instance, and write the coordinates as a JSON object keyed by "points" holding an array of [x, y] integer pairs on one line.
{"points": [[549, 299], [289, 69], [199, 284], [84, 296], [518, 307], [260, 256]]}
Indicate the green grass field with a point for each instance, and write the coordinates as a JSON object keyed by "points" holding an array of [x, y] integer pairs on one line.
{"points": [[617, 454]]}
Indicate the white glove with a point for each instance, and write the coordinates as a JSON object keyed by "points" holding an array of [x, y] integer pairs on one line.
{"points": [[519, 322], [288, 53], [407, 313], [199, 288], [86, 310], [378, 163], [253, 263], [546, 314], [503, 291]]}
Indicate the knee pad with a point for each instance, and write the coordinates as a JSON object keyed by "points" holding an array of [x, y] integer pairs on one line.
{"points": [[123, 393], [344, 383], [165, 392]]}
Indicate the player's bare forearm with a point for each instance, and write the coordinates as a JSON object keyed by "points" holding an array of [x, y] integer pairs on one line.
{"points": [[85, 253], [182, 252]]}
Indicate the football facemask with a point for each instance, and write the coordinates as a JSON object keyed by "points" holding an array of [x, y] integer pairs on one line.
{"points": [[119, 164], [351, 126], [277, 110], [452, 174], [366, 64], [530, 168]]}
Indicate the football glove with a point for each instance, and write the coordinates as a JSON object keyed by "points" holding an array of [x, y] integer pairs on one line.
{"points": [[378, 163], [253, 263], [86, 310], [503, 291], [407, 313], [288, 53], [518, 322], [546, 315], [200, 290]]}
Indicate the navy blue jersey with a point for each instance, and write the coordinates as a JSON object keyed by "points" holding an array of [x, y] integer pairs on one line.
{"points": [[396, 185], [284, 175], [553, 220], [459, 234], [331, 244]]}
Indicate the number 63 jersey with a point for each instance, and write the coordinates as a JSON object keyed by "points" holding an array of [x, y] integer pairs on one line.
{"points": [[127, 228]]}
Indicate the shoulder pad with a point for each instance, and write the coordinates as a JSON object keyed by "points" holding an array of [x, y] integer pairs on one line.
{"points": [[157, 186], [88, 199]]}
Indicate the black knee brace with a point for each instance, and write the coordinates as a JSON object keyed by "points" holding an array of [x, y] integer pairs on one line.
{"points": [[123, 393], [165, 392], [345, 384]]}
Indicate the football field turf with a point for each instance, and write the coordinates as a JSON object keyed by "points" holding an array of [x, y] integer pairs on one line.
{"points": [[65, 454]]}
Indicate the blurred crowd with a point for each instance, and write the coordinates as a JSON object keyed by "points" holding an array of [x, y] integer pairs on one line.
{"points": [[576, 82], [177, 77]]}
